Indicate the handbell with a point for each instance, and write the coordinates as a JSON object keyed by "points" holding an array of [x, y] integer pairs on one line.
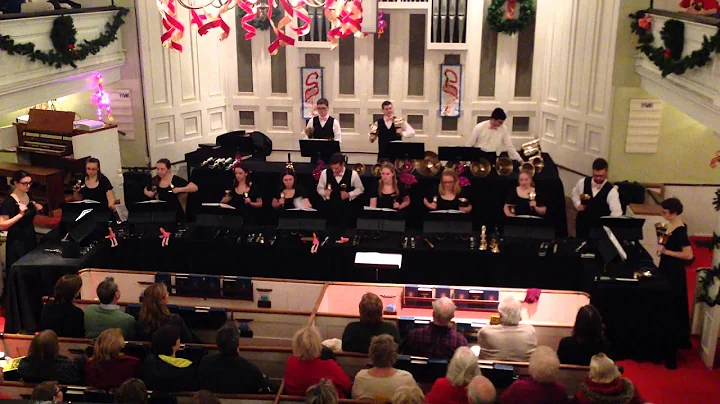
{"points": [[373, 128], [398, 122], [430, 166], [503, 166], [309, 132], [343, 187], [463, 202], [359, 168], [376, 169], [531, 148], [539, 164], [584, 198], [480, 168], [532, 196]]}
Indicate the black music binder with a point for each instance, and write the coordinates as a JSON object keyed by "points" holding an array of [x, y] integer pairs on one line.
{"points": [[318, 149], [528, 228], [459, 153], [448, 223], [406, 150], [302, 220], [381, 221], [217, 217]]}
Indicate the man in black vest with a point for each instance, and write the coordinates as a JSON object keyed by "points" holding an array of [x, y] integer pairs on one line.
{"points": [[338, 186], [594, 197], [388, 129], [323, 126]]}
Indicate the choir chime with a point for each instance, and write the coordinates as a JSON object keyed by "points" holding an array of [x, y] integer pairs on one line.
{"points": [[531, 150]]}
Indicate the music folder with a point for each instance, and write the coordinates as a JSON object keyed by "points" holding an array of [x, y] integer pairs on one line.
{"points": [[219, 216], [447, 223], [301, 220], [399, 149], [379, 219]]}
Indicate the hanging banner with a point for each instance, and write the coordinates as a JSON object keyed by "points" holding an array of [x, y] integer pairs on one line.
{"points": [[311, 89], [450, 90]]}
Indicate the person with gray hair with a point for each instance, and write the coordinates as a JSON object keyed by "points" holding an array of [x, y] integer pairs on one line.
{"points": [[509, 340], [322, 393], [409, 394], [436, 340], [452, 388], [107, 314], [605, 384], [542, 386], [481, 391], [382, 380]]}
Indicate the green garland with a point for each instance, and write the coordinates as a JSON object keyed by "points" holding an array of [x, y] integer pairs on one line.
{"points": [[668, 59], [715, 242], [716, 200], [63, 38], [498, 22], [707, 280], [261, 23]]}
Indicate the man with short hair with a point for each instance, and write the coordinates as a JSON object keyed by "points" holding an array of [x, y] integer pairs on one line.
{"points": [[509, 340], [107, 314], [595, 197], [436, 340], [338, 186], [323, 126], [227, 371], [493, 136], [481, 391], [389, 129]]}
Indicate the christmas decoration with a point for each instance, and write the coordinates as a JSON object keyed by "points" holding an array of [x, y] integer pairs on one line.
{"points": [[502, 19], [63, 36], [668, 59], [102, 99], [262, 22], [709, 283], [381, 23], [345, 19], [406, 177]]}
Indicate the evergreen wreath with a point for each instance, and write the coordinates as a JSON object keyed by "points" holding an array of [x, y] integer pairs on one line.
{"points": [[707, 280], [716, 200], [668, 59], [498, 22], [262, 23], [63, 36]]}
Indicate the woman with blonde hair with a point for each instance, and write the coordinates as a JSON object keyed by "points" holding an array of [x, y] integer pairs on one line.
{"points": [[410, 395], [357, 335], [449, 195], [109, 367], [523, 199], [322, 393], [382, 380], [305, 367], [154, 314], [542, 386], [452, 388], [389, 193], [605, 384]]}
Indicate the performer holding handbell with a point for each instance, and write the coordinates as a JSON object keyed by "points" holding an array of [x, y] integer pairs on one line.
{"points": [[323, 126], [338, 186], [291, 195], [388, 129], [523, 199], [170, 188], [243, 194], [595, 197], [449, 195], [389, 194]]}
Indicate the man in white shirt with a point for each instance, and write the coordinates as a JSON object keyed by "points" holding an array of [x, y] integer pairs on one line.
{"points": [[493, 136], [323, 126], [595, 197], [338, 186], [388, 129]]}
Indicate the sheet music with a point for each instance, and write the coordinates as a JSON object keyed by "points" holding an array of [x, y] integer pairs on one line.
{"points": [[379, 209], [447, 211], [83, 213], [85, 201], [305, 209], [151, 201], [528, 216], [221, 205], [616, 243], [122, 212]]}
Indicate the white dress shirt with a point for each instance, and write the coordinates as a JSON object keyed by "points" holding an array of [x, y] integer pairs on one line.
{"points": [[613, 198], [407, 130], [337, 132], [354, 182], [493, 140]]}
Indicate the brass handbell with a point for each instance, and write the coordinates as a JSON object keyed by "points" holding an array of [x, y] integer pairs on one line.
{"points": [[359, 168], [528, 168], [661, 232], [398, 122], [373, 131], [503, 166], [463, 202], [289, 165], [495, 241], [538, 163], [480, 168], [483, 239], [531, 148], [376, 169], [532, 196], [400, 165], [430, 165], [309, 132]]}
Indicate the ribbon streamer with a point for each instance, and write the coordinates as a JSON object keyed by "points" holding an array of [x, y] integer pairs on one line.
{"points": [[347, 23], [112, 237], [174, 29], [165, 236]]}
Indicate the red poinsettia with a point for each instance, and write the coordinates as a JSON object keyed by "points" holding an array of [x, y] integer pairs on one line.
{"points": [[668, 53], [645, 22]]}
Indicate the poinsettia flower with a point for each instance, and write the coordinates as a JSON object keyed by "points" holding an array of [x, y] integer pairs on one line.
{"points": [[645, 22], [318, 170], [668, 53]]}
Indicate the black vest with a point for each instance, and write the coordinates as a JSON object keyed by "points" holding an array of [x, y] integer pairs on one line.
{"points": [[345, 183], [320, 132], [595, 208], [385, 136]]}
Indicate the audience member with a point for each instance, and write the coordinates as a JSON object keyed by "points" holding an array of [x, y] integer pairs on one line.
{"points": [[322, 393], [204, 397], [227, 371], [59, 314], [357, 335], [305, 368], [408, 394], [133, 391], [587, 338], [109, 366], [542, 387], [43, 361], [47, 391], [155, 314], [437, 339], [382, 380], [605, 384], [452, 389], [481, 391], [107, 314], [163, 370], [509, 340]]}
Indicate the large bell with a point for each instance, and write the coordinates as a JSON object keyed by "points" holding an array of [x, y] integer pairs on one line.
{"points": [[538, 163], [503, 166], [359, 168], [400, 165], [429, 166], [480, 168]]}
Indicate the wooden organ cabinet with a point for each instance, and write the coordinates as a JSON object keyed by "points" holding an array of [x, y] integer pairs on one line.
{"points": [[57, 152]]}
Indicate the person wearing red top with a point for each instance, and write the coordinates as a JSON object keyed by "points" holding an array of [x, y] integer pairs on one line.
{"points": [[699, 7], [452, 389], [542, 386], [109, 367], [305, 368], [606, 384]]}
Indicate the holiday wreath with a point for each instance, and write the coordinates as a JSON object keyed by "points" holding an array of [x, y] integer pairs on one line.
{"points": [[502, 19]]}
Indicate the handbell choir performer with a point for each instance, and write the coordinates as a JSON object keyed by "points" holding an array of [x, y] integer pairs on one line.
{"points": [[323, 126], [388, 129], [170, 188], [595, 197], [338, 186], [389, 194]]}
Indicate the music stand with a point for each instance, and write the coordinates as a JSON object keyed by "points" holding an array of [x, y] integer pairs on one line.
{"points": [[406, 150], [458, 153], [528, 228], [302, 220], [624, 227], [217, 217], [381, 221], [318, 149], [149, 217], [79, 223], [378, 260], [447, 223]]}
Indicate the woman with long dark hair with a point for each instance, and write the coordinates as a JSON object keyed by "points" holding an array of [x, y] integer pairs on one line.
{"points": [[289, 192], [244, 197], [170, 188], [588, 338], [154, 314], [16, 217], [96, 186]]}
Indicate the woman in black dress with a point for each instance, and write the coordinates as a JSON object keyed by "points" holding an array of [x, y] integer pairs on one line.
{"points": [[389, 193], [449, 195], [290, 192], [16, 217], [170, 188], [523, 200], [243, 196], [675, 254], [96, 187]]}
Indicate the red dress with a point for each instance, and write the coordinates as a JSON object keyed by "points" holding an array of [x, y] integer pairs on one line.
{"points": [[443, 392], [112, 373], [299, 375]]}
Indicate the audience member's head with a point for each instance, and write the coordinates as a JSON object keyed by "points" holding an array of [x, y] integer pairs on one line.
{"points": [[47, 391], [322, 393], [383, 351], [132, 391], [307, 344], [408, 394], [443, 311], [603, 369], [462, 367], [154, 306], [204, 397], [166, 340], [510, 311], [544, 365], [228, 339], [66, 288], [371, 309], [109, 345], [588, 327], [44, 346], [481, 390], [107, 291]]}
